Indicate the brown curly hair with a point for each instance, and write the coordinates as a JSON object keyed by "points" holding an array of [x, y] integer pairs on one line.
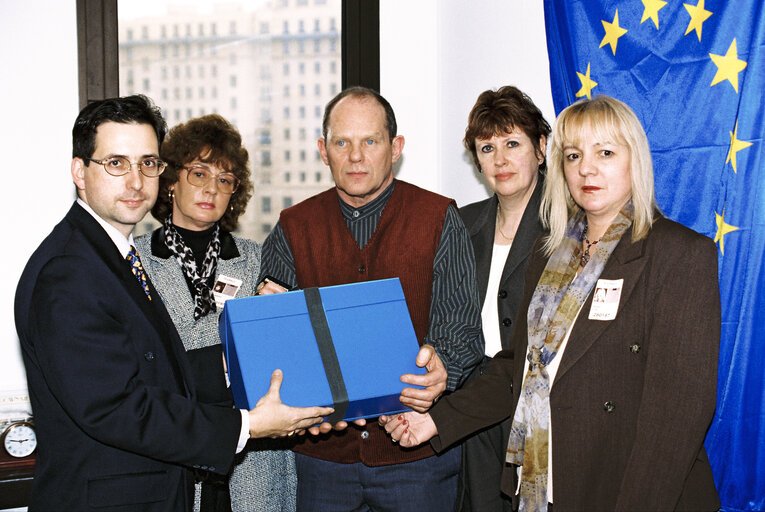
{"points": [[496, 112], [213, 140]]}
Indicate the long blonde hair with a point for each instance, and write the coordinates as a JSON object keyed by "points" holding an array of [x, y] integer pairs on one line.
{"points": [[609, 120]]}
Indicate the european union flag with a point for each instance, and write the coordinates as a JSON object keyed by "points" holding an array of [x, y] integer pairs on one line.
{"points": [[695, 75]]}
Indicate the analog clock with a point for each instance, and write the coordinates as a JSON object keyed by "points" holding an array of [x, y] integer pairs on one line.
{"points": [[20, 439]]}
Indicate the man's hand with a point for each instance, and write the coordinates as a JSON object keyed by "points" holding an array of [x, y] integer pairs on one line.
{"points": [[271, 418], [409, 429], [434, 381]]}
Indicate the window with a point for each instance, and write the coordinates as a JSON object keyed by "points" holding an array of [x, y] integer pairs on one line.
{"points": [[286, 202], [265, 204], [144, 32], [318, 177], [208, 72], [146, 84], [265, 229], [317, 112]]}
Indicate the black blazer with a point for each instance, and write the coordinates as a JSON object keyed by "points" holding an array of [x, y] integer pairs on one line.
{"points": [[116, 419], [480, 219], [484, 453]]}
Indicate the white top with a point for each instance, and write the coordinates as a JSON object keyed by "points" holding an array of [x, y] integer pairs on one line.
{"points": [[123, 246], [552, 370], [490, 313]]}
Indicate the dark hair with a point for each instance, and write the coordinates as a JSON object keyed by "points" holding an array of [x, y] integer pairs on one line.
{"points": [[136, 109], [498, 112], [213, 140], [361, 92]]}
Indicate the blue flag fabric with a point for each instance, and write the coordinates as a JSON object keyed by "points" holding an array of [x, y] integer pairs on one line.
{"points": [[694, 73]]}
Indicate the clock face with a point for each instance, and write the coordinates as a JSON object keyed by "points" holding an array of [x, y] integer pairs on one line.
{"points": [[20, 440]]}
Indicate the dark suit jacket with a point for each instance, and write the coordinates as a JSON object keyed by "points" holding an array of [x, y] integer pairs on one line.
{"points": [[484, 453], [633, 397], [480, 219], [116, 420]]}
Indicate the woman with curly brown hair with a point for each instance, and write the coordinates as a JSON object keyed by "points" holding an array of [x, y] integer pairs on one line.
{"points": [[195, 263]]}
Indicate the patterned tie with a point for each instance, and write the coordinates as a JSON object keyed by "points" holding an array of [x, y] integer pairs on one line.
{"points": [[137, 269]]}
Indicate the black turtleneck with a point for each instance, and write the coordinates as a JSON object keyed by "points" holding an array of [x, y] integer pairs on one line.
{"points": [[197, 241]]}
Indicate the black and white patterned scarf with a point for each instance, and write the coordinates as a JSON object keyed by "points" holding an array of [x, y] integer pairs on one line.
{"points": [[204, 302]]}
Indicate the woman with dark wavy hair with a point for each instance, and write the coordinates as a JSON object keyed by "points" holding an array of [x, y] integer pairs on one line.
{"points": [[196, 264], [506, 136]]}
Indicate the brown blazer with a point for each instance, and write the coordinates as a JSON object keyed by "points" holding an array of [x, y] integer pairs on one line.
{"points": [[633, 397]]}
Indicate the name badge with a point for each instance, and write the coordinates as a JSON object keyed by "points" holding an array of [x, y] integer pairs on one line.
{"points": [[605, 303], [225, 288]]}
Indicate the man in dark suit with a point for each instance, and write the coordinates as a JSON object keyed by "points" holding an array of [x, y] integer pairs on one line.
{"points": [[116, 418]]}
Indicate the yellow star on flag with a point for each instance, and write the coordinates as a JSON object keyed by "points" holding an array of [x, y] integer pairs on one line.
{"points": [[587, 84], [728, 66], [613, 32], [698, 16], [651, 10], [722, 230], [735, 146]]}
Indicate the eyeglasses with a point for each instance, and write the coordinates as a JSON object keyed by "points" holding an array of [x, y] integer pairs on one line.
{"points": [[199, 176], [119, 166]]}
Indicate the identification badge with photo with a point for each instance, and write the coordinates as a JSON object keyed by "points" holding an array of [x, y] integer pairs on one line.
{"points": [[605, 302], [225, 288]]}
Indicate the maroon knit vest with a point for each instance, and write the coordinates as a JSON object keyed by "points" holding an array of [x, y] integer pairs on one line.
{"points": [[404, 246]]}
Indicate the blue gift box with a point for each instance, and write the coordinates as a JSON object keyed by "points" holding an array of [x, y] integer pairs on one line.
{"points": [[372, 339]]}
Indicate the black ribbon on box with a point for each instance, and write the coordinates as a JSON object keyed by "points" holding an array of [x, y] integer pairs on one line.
{"points": [[328, 354]]}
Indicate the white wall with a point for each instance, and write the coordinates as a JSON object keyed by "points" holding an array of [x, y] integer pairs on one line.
{"points": [[38, 101], [436, 57]]}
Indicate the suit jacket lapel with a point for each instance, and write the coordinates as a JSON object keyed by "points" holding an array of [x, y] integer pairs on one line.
{"points": [[153, 310], [529, 230], [627, 262], [482, 236]]}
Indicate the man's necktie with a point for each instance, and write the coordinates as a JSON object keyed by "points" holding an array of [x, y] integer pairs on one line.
{"points": [[137, 268]]}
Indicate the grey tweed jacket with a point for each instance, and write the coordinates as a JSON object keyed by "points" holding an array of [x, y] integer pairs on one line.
{"points": [[263, 479]]}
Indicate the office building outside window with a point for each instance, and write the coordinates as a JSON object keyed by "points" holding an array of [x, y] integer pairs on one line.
{"points": [[240, 50]]}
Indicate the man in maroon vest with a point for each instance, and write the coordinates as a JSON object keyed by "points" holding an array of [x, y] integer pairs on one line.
{"points": [[371, 226]]}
